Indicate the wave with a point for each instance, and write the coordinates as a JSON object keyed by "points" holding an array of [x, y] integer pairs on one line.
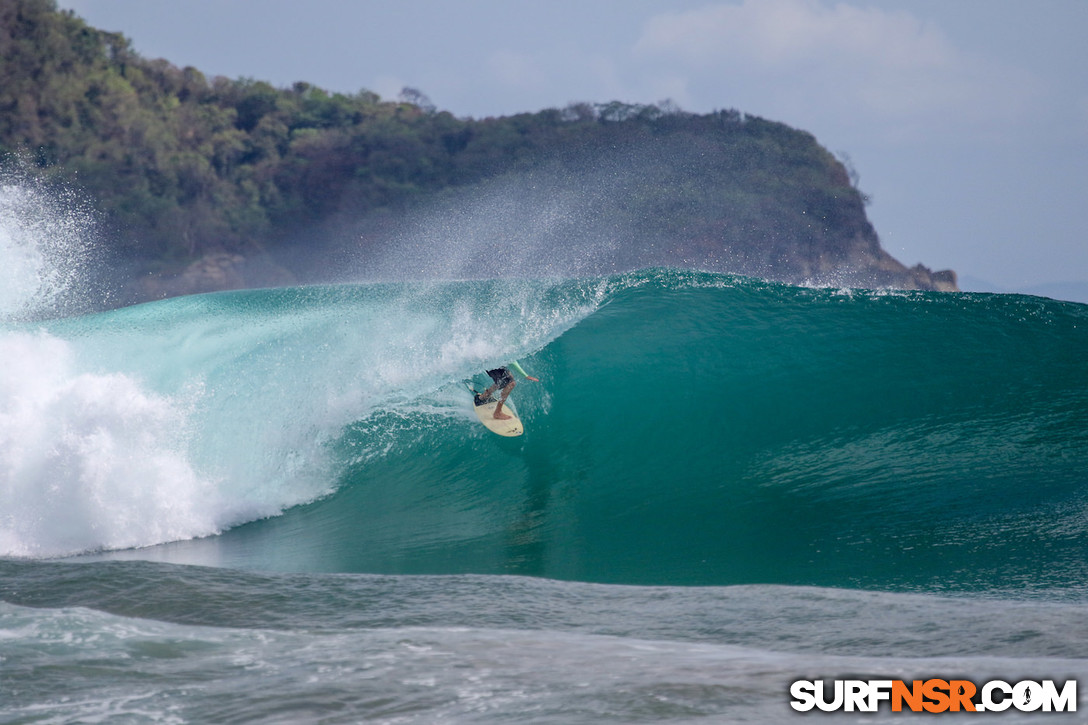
{"points": [[691, 428]]}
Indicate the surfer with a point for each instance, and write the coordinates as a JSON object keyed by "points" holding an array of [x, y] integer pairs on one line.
{"points": [[503, 379]]}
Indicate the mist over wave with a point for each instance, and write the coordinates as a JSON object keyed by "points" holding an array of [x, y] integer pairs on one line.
{"points": [[181, 418], [46, 247]]}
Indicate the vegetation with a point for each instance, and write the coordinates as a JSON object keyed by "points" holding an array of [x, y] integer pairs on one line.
{"points": [[185, 166]]}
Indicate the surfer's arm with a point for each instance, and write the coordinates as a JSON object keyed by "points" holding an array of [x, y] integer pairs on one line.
{"points": [[517, 369]]}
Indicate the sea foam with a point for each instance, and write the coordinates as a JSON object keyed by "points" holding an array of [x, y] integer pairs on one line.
{"points": [[88, 459]]}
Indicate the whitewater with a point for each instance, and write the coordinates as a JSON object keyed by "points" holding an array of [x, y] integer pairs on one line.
{"points": [[277, 505]]}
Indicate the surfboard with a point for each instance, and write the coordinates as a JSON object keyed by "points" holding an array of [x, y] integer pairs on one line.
{"points": [[509, 428]]}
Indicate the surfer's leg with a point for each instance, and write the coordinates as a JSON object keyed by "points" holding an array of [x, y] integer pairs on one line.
{"points": [[499, 415]]}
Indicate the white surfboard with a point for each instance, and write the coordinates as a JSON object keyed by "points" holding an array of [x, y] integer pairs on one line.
{"points": [[509, 428]]}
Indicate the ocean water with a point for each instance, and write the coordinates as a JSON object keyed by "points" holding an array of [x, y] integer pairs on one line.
{"points": [[278, 506]]}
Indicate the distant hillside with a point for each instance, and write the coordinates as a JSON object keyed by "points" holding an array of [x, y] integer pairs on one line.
{"points": [[213, 183]]}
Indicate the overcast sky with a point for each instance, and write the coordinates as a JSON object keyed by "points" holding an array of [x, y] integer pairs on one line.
{"points": [[966, 120]]}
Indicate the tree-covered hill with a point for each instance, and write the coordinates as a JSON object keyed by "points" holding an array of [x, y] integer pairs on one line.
{"points": [[207, 176]]}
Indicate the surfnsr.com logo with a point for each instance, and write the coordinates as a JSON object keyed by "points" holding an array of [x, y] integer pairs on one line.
{"points": [[933, 695]]}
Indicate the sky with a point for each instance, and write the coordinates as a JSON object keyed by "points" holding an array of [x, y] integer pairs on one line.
{"points": [[965, 120]]}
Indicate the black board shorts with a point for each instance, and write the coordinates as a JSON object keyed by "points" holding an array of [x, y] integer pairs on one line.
{"points": [[501, 376]]}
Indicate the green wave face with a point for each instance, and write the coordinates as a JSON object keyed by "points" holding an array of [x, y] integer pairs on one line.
{"points": [[688, 429], [706, 431]]}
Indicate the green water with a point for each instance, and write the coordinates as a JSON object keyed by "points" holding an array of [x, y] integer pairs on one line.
{"points": [[689, 429]]}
